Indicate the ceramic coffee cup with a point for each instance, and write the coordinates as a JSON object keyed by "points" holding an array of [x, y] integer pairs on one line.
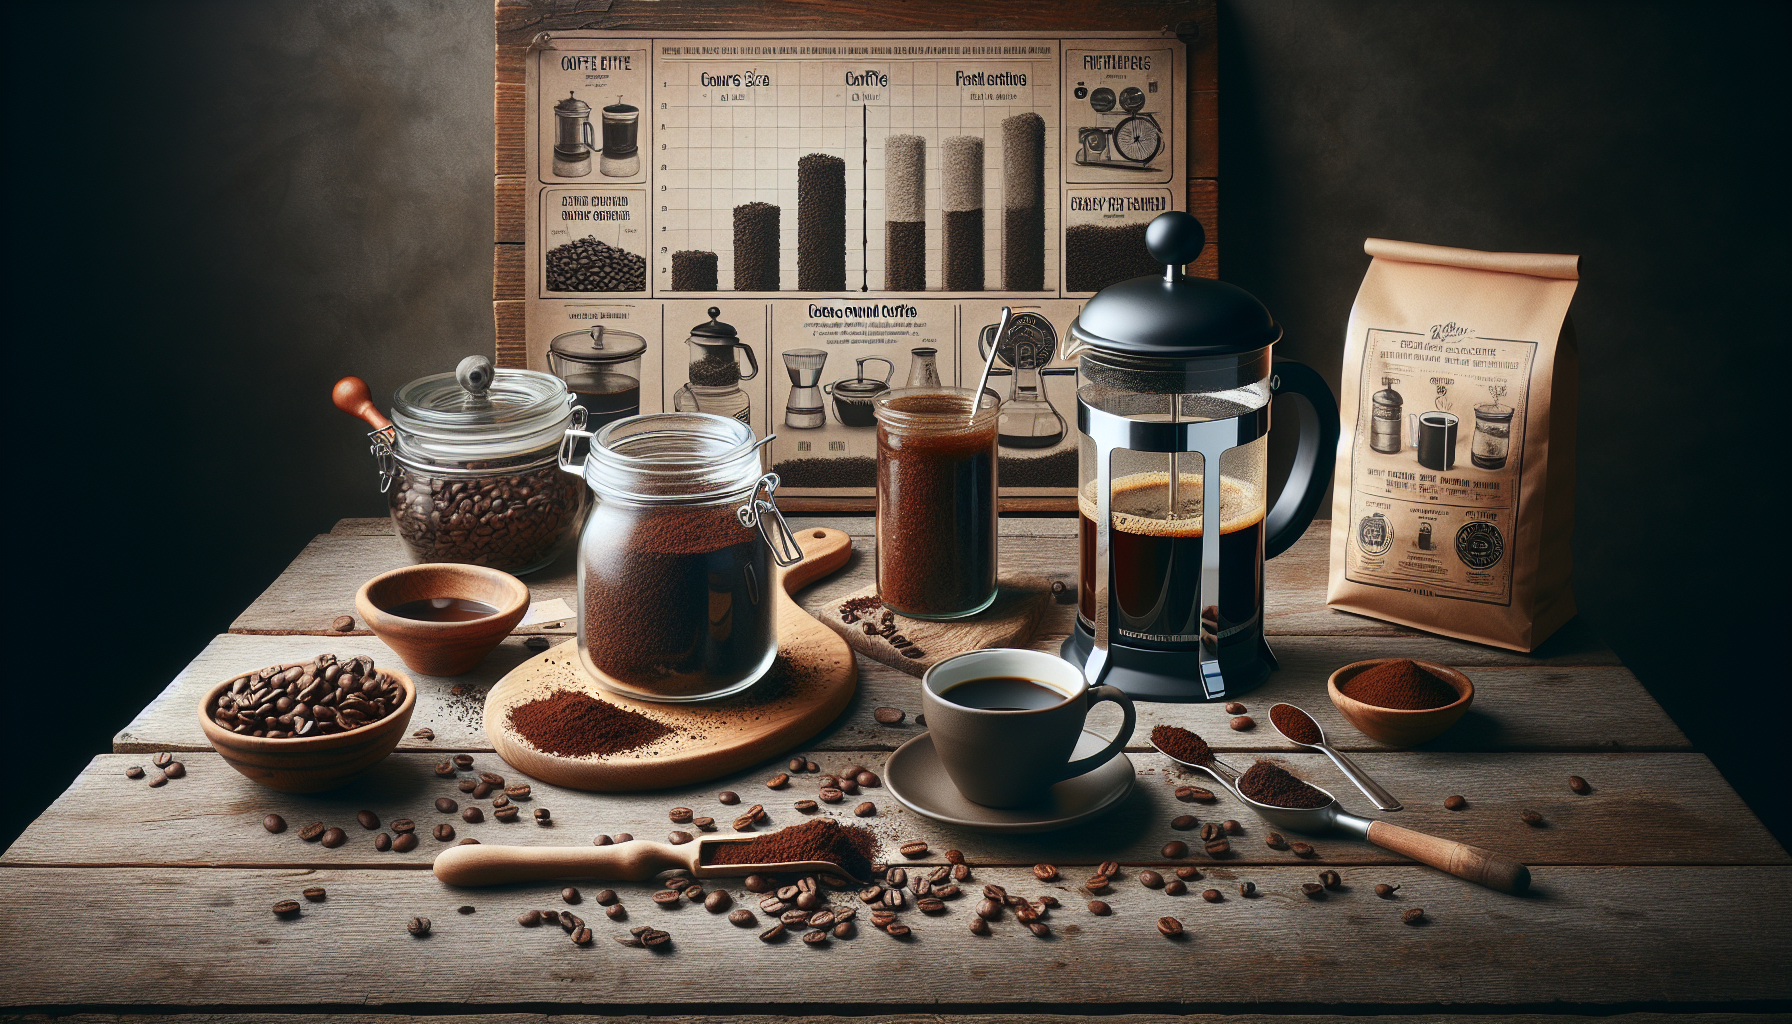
{"points": [[1005, 746]]}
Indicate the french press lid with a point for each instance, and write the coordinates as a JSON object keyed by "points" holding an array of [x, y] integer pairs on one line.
{"points": [[715, 328], [597, 345], [1174, 316], [572, 105], [1387, 396]]}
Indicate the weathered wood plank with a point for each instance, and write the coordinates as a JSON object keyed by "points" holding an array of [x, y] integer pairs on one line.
{"points": [[507, 272], [145, 938], [507, 141], [507, 325], [1516, 707], [510, 227], [907, 1018], [1645, 809]]}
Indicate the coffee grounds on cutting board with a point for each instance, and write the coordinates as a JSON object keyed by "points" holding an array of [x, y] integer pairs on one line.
{"points": [[574, 724], [1181, 744], [1401, 685], [825, 839], [1269, 784]]}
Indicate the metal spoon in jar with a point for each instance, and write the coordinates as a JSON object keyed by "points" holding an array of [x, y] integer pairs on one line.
{"points": [[1483, 867], [1294, 723]]}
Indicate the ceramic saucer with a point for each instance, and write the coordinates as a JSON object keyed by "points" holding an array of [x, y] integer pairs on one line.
{"points": [[914, 775]]}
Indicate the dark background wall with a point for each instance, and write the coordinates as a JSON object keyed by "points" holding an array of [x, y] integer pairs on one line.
{"points": [[219, 208]]}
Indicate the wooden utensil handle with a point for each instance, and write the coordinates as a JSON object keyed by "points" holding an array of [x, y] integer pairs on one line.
{"points": [[484, 864], [1482, 867], [351, 396]]}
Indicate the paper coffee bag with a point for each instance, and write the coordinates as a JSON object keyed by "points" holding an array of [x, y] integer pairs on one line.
{"points": [[1453, 501]]}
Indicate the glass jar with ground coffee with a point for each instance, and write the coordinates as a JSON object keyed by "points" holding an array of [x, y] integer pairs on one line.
{"points": [[936, 502], [468, 466], [676, 587]]}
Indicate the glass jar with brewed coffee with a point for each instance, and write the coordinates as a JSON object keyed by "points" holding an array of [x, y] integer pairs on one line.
{"points": [[676, 588]]}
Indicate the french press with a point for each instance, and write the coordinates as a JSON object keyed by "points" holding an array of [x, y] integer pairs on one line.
{"points": [[574, 138], [1028, 418], [602, 369], [1173, 416], [715, 371]]}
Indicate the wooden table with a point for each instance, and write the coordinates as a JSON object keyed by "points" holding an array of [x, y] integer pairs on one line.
{"points": [[1658, 891]]}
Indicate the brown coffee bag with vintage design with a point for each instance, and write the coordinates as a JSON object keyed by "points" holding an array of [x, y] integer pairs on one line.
{"points": [[1453, 501]]}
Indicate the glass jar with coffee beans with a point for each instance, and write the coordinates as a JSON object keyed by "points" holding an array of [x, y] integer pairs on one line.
{"points": [[468, 465], [676, 586]]}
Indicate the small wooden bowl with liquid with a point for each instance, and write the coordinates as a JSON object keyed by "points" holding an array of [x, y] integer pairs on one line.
{"points": [[442, 617]]}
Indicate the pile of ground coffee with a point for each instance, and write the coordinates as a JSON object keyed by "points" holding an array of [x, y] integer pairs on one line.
{"points": [[1401, 685], [1181, 744], [693, 270], [756, 247], [1295, 724], [574, 724], [820, 222], [825, 839], [1269, 784]]}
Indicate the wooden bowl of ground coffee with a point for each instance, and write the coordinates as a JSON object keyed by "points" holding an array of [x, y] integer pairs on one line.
{"points": [[1399, 701]]}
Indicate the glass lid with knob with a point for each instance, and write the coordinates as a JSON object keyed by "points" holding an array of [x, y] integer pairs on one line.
{"points": [[480, 411]]}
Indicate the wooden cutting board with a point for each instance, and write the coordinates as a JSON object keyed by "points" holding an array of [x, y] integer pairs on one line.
{"points": [[811, 682], [1020, 603]]}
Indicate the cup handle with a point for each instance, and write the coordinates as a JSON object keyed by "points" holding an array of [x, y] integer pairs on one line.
{"points": [[1096, 695]]}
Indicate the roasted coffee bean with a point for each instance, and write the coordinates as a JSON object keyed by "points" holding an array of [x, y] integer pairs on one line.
{"points": [[817, 938], [794, 917], [402, 825], [1212, 896], [133, 772], [896, 929], [1169, 927], [1212, 830], [632, 941], [1247, 889], [468, 841], [1175, 848], [845, 929], [1314, 890], [889, 716], [1275, 841], [518, 791], [918, 848], [1243, 723], [667, 897], [1235, 708], [529, 919], [1232, 828], [276, 824], [1043, 872], [624, 837], [616, 912], [694, 893], [807, 807], [333, 837], [1217, 847], [947, 892], [163, 759], [742, 918], [811, 766], [472, 815], [175, 770], [796, 764], [287, 908], [704, 824], [1099, 909], [1531, 818], [1455, 803], [369, 820], [447, 805], [382, 842], [865, 810], [405, 842], [443, 832], [681, 815], [989, 908], [1188, 872], [1039, 928], [1414, 916], [1097, 883], [506, 813], [543, 816], [846, 913], [483, 790], [772, 934], [868, 780], [830, 795], [744, 823], [894, 899], [882, 918], [492, 779], [463, 761], [929, 905], [778, 781], [601, 841], [727, 797], [1184, 822], [718, 901], [1110, 868], [758, 883], [821, 919], [315, 894], [809, 900], [896, 877], [849, 787], [466, 785], [1579, 785], [678, 882], [418, 926], [1330, 879], [757, 813], [570, 895], [1151, 879], [678, 838], [343, 623], [550, 916], [872, 895], [445, 770], [464, 910], [1175, 887], [158, 780], [1386, 891], [1195, 794], [581, 936]]}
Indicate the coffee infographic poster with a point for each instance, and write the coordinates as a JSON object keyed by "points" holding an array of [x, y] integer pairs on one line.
{"points": [[858, 210]]}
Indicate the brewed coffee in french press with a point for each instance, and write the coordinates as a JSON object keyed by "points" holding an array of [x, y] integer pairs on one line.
{"points": [[1173, 517]]}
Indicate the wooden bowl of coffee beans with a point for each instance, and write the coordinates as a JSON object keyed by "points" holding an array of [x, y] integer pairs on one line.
{"points": [[308, 726], [1399, 701], [442, 618]]}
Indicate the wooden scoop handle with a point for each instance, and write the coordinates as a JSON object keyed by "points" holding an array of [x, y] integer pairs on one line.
{"points": [[1482, 867], [351, 396], [632, 861]]}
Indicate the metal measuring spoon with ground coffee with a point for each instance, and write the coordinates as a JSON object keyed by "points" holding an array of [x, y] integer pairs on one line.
{"points": [[1298, 806], [1300, 727], [824, 846]]}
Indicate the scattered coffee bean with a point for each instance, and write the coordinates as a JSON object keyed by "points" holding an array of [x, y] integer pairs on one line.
{"points": [[1175, 848], [529, 919], [1099, 909], [1386, 891], [464, 910], [343, 623], [570, 895], [1531, 818], [742, 918], [402, 825], [681, 815], [989, 908], [1217, 847], [616, 912], [816, 938], [175, 770], [312, 832], [467, 785], [334, 837], [1175, 887], [778, 781], [896, 929], [287, 908], [601, 841], [1247, 889], [849, 786], [1039, 928], [133, 772], [163, 759], [418, 926], [624, 837], [1110, 868], [1330, 879], [492, 779], [744, 823], [918, 848], [667, 897], [543, 816], [405, 843], [463, 761], [550, 917], [536, 643], [882, 918], [506, 813], [831, 795], [1184, 822], [845, 929], [382, 842], [468, 841], [1454, 803], [809, 900], [865, 810], [1275, 841], [425, 734], [1195, 794], [1188, 872], [276, 824], [807, 807], [445, 770], [517, 791], [1243, 723], [1232, 828], [772, 934], [794, 917], [315, 894], [446, 805], [473, 816], [929, 905], [679, 838], [443, 832], [482, 790], [1212, 830], [727, 797], [1096, 883], [1212, 896], [158, 780], [789, 892], [1235, 708], [1303, 850], [1043, 872], [757, 813], [1169, 927], [1414, 916], [822, 919], [1314, 890], [1579, 785], [718, 901], [961, 872], [581, 936], [867, 779], [889, 716], [1151, 879]]}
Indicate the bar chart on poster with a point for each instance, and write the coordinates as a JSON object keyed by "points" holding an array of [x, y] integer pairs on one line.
{"points": [[781, 228]]}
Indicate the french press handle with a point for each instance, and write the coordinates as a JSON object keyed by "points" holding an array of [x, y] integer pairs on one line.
{"points": [[752, 361], [1310, 478], [590, 136]]}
